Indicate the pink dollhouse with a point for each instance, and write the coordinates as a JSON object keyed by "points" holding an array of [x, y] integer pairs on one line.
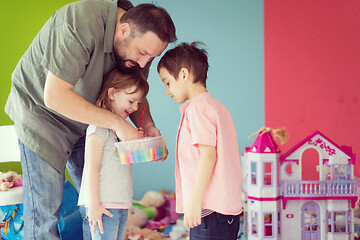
{"points": [[309, 193]]}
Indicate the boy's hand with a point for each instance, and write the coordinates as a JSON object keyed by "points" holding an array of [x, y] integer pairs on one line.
{"points": [[95, 217], [192, 216]]}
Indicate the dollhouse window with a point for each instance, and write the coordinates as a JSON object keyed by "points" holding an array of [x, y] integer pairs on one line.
{"points": [[279, 222], [267, 173], [289, 169], [254, 216], [338, 172], [253, 172], [268, 224], [339, 222], [278, 173]]}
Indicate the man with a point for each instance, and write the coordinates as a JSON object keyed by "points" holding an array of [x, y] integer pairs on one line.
{"points": [[54, 88]]}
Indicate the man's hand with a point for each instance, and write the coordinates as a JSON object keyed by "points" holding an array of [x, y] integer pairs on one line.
{"points": [[152, 132], [127, 132]]}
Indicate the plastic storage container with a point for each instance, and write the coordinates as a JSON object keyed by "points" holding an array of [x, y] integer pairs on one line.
{"points": [[142, 150]]}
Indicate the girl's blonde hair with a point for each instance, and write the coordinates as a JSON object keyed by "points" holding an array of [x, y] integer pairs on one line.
{"points": [[119, 80]]}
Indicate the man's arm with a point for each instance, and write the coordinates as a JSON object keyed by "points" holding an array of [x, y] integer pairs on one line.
{"points": [[192, 217], [60, 97]]}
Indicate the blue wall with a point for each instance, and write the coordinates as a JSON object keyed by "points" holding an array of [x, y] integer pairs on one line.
{"points": [[233, 34]]}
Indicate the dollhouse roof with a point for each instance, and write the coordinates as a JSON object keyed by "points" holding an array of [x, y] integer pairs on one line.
{"points": [[345, 149], [264, 143]]}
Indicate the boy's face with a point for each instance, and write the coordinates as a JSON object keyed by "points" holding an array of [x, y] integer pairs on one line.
{"points": [[175, 88]]}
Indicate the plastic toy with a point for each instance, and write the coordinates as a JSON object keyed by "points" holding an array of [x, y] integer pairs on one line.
{"points": [[138, 215], [9, 179], [280, 203], [142, 150], [179, 231], [155, 211], [136, 233]]}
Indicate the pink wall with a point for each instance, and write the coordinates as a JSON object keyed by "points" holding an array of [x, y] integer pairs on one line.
{"points": [[312, 70]]}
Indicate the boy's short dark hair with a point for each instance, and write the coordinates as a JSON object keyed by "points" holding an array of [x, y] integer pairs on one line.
{"points": [[189, 56], [148, 17]]}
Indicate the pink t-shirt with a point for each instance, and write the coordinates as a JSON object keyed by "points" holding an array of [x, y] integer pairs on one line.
{"points": [[204, 120]]}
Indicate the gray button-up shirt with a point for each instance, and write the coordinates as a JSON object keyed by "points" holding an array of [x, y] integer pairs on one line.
{"points": [[76, 45]]}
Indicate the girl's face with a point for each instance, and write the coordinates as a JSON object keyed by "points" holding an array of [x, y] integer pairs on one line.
{"points": [[124, 102], [175, 88]]}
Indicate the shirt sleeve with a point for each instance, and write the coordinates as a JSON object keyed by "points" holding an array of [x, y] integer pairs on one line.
{"points": [[102, 132], [202, 126], [64, 55]]}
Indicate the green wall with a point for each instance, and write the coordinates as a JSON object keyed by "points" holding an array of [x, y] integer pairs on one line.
{"points": [[20, 22]]}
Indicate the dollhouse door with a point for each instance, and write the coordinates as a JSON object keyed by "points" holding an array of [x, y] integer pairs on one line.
{"points": [[310, 218]]}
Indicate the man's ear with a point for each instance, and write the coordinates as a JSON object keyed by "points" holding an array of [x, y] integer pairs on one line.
{"points": [[123, 31], [184, 74], [111, 93]]}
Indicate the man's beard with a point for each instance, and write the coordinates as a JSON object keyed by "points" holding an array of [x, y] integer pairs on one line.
{"points": [[121, 60]]}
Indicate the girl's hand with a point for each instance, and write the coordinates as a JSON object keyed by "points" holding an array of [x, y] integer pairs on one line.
{"points": [[192, 216], [141, 131], [95, 217]]}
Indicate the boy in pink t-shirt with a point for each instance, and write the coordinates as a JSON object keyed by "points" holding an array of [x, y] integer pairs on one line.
{"points": [[207, 169]]}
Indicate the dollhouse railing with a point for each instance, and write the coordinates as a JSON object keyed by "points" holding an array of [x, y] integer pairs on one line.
{"points": [[319, 188]]}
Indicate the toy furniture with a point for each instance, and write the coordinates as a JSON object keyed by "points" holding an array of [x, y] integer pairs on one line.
{"points": [[9, 153], [282, 201]]}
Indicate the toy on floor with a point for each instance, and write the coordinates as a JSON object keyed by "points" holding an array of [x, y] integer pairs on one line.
{"points": [[155, 211], [9, 179], [179, 231], [136, 233], [145, 209], [166, 213], [137, 215]]}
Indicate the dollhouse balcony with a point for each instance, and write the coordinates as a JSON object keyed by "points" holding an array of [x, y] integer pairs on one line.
{"points": [[320, 189]]}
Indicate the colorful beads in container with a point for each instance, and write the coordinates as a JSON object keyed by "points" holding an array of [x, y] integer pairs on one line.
{"points": [[142, 150]]}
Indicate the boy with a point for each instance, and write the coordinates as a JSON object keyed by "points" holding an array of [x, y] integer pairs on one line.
{"points": [[207, 169]]}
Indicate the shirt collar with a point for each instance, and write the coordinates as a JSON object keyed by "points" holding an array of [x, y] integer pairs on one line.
{"points": [[195, 99], [110, 27]]}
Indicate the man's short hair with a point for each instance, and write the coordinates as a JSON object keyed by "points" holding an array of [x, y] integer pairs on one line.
{"points": [[148, 17]]}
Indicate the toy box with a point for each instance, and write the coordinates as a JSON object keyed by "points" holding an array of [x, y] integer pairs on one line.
{"points": [[142, 150]]}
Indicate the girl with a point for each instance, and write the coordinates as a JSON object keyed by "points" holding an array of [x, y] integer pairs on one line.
{"points": [[106, 188]]}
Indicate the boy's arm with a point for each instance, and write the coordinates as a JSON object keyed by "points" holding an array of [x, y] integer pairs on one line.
{"points": [[93, 153], [192, 217]]}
